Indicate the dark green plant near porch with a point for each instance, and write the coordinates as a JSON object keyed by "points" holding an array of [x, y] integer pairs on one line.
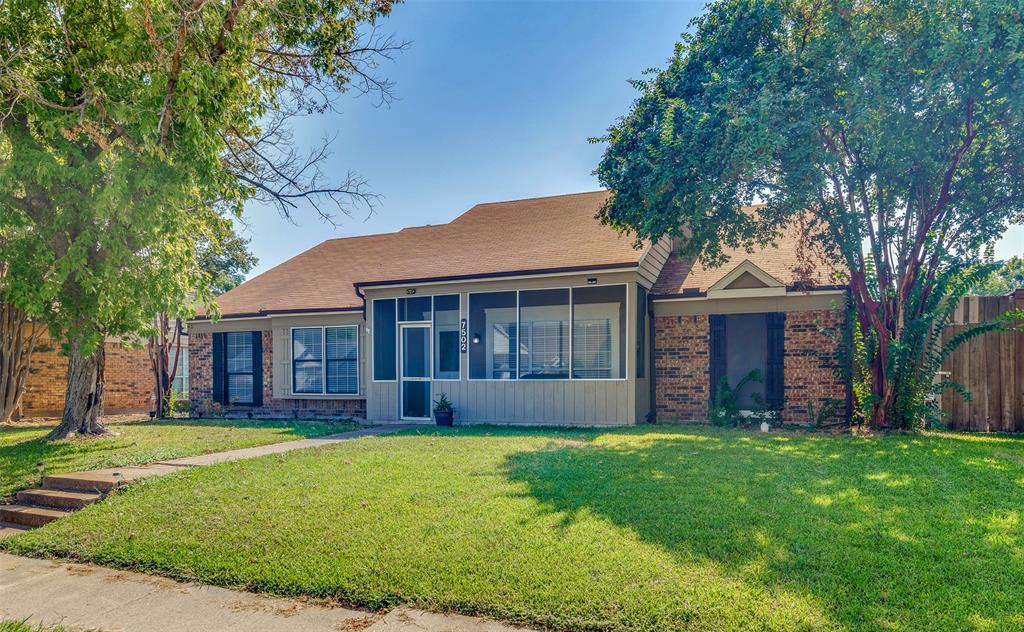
{"points": [[724, 408], [891, 132]]}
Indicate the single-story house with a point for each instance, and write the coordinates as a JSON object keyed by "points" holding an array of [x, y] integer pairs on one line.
{"points": [[521, 312]]}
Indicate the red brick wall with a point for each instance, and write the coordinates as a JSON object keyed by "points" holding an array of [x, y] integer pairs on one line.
{"points": [[681, 364], [811, 360], [128, 380], [681, 368], [201, 389]]}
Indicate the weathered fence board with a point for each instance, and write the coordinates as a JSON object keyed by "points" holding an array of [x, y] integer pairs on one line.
{"points": [[990, 367]]}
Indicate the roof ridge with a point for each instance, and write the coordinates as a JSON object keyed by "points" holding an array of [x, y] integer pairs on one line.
{"points": [[539, 197]]}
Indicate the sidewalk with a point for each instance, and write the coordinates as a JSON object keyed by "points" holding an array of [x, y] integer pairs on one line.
{"points": [[85, 597]]}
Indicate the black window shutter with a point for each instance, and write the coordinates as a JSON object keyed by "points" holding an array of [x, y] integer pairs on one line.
{"points": [[774, 380], [219, 390], [257, 368], [717, 351]]}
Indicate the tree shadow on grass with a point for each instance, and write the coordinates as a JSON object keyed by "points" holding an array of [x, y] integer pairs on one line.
{"points": [[894, 532]]}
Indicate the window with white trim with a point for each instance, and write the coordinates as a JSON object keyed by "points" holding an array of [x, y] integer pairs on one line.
{"points": [[239, 369], [180, 384], [325, 360]]}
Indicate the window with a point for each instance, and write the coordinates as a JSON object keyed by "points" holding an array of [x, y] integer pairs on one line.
{"points": [[599, 332], [641, 330], [239, 369], [307, 360], [342, 360], [325, 360], [747, 352], [446, 337], [544, 334], [180, 384], [492, 324], [385, 335]]}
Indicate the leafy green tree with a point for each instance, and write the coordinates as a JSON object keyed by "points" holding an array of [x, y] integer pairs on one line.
{"points": [[1009, 276], [893, 126], [130, 132], [225, 261]]}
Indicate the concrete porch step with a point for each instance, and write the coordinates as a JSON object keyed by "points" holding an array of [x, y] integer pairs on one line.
{"points": [[57, 498], [89, 482], [8, 529], [30, 516]]}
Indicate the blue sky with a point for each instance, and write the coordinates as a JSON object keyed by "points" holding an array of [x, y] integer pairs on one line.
{"points": [[496, 101]]}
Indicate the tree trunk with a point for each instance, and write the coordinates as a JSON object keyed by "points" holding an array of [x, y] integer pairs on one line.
{"points": [[18, 338], [161, 348], [83, 396]]}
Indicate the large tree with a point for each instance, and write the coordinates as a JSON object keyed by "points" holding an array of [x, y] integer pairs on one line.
{"points": [[896, 125], [129, 132]]}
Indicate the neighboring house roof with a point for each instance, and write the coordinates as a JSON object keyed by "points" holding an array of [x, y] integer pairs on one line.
{"points": [[521, 236], [785, 261]]}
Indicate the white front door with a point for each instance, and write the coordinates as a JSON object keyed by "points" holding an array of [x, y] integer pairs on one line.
{"points": [[414, 380]]}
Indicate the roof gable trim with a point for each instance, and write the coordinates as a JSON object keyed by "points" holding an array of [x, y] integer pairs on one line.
{"points": [[746, 269]]}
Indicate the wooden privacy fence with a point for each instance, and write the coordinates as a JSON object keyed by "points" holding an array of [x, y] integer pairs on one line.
{"points": [[990, 367]]}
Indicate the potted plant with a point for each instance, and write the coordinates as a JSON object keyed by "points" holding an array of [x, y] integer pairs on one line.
{"points": [[443, 410]]}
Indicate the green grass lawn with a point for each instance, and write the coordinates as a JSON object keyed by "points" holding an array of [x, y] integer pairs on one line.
{"points": [[137, 443], [21, 626], [644, 529]]}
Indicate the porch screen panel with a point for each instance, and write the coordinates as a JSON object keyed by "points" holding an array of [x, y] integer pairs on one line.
{"points": [[415, 309], [446, 337], [544, 334], [385, 336], [492, 327], [599, 332]]}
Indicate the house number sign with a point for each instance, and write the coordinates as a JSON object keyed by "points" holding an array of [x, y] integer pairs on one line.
{"points": [[463, 336]]}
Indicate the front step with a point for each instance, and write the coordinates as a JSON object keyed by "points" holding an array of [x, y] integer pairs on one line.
{"points": [[7, 529], [90, 482], [30, 516], [57, 498]]}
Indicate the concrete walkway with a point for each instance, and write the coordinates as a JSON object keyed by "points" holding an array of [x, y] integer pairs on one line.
{"points": [[285, 446], [107, 479], [85, 597]]}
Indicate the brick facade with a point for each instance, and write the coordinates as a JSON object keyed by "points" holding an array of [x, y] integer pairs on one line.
{"points": [[201, 389], [811, 363], [682, 365], [127, 376]]}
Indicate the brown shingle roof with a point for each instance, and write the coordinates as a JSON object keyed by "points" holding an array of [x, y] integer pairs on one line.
{"points": [[501, 237], [782, 261]]}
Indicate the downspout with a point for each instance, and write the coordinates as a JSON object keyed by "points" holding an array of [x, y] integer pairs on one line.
{"points": [[362, 297]]}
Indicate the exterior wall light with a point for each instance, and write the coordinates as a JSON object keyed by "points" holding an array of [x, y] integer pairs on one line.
{"points": [[592, 281]]}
